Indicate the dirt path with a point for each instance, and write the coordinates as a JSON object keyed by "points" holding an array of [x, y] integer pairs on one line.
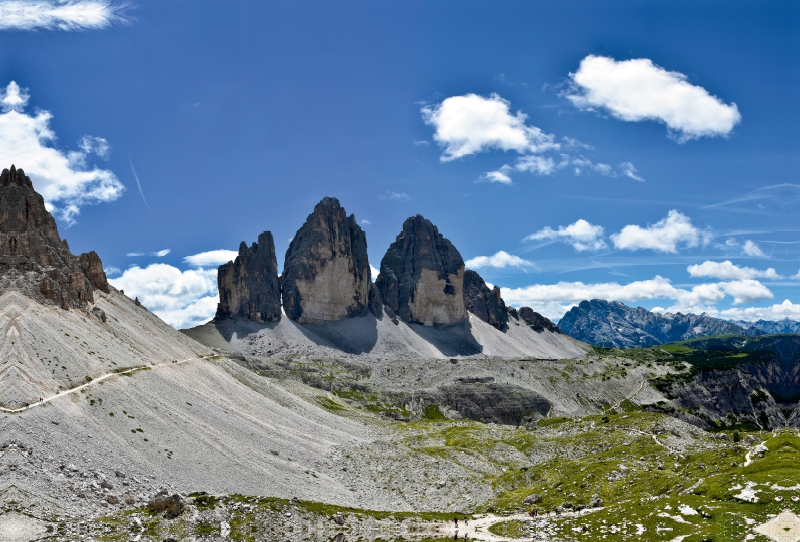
{"points": [[478, 528], [95, 381], [637, 392]]}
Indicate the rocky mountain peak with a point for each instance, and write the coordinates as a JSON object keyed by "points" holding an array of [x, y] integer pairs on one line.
{"points": [[249, 286], [33, 258], [326, 274], [422, 276]]}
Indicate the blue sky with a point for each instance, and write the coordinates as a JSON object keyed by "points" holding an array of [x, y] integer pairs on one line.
{"points": [[569, 149]]}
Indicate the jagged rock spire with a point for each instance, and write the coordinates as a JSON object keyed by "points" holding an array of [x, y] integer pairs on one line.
{"points": [[249, 286], [33, 258]]}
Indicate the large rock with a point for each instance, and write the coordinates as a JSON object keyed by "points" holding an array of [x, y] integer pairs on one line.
{"points": [[33, 258], [484, 303], [326, 276], [249, 286], [422, 276]]}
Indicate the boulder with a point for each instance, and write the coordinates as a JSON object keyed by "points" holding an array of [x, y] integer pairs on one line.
{"points": [[171, 505], [421, 277], [532, 499], [484, 303], [326, 275], [537, 322], [33, 258], [249, 286]]}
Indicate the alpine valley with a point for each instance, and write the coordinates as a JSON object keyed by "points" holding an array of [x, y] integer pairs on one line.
{"points": [[325, 403]]}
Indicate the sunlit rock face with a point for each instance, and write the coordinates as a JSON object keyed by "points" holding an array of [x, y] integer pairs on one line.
{"points": [[249, 286], [326, 274], [33, 258], [422, 276]]}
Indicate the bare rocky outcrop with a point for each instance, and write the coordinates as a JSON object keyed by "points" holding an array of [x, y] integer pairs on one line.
{"points": [[484, 303], [326, 275], [421, 278], [249, 286], [536, 321], [33, 258]]}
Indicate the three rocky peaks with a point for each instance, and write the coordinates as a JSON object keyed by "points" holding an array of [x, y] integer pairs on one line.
{"points": [[326, 277]]}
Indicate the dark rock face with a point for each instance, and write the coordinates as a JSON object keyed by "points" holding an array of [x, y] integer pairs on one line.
{"points": [[33, 258], [249, 286], [537, 322], [326, 276], [613, 324], [484, 303], [375, 301], [492, 402], [422, 276]]}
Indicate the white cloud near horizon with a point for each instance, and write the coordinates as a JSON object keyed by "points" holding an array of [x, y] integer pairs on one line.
{"points": [[499, 260], [211, 258], [636, 90], [180, 298], [773, 313], [471, 124], [62, 177], [69, 15], [553, 300], [374, 272], [581, 234], [397, 196], [157, 254], [667, 235], [727, 270]]}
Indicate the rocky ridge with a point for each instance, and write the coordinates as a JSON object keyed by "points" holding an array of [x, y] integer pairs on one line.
{"points": [[614, 324], [33, 257], [484, 303], [326, 279]]}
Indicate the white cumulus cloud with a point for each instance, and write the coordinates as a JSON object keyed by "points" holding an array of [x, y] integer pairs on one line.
{"points": [[180, 298], [59, 14], [746, 291], [752, 249], [499, 260], [582, 235], [666, 235], [211, 258], [727, 270], [637, 90], [498, 176], [374, 272], [62, 177], [471, 123]]}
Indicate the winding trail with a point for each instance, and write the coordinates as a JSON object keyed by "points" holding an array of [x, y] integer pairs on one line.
{"points": [[95, 381], [637, 392]]}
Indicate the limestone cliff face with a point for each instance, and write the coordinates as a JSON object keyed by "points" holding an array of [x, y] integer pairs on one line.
{"points": [[33, 258], [422, 276], [249, 286], [326, 275], [484, 303]]}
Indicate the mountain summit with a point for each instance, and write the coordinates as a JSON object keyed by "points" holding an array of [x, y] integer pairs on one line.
{"points": [[33, 258]]}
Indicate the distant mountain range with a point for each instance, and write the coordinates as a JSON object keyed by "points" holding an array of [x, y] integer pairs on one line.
{"points": [[614, 324]]}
